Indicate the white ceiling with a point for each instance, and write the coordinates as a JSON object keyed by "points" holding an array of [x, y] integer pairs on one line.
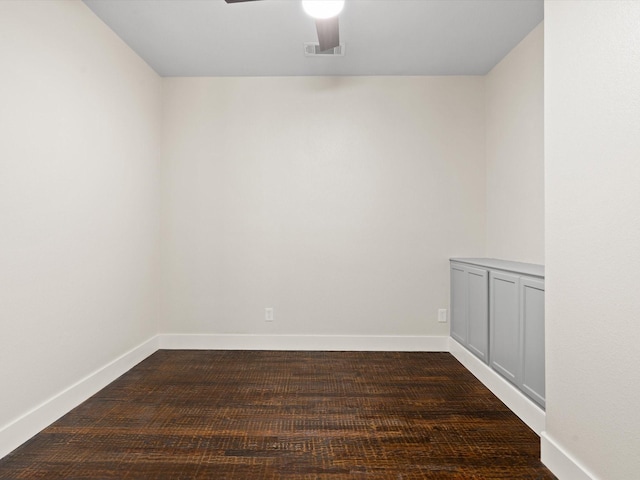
{"points": [[381, 37]]}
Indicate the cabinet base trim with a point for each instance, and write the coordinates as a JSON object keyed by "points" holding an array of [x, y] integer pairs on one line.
{"points": [[560, 462], [515, 400]]}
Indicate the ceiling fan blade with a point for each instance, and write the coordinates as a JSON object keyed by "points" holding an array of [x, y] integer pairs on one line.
{"points": [[328, 35]]}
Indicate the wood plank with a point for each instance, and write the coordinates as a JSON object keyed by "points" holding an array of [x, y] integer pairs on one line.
{"points": [[298, 415]]}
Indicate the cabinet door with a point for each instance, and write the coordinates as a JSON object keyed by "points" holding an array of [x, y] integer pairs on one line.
{"points": [[505, 325], [478, 313], [532, 338], [458, 303]]}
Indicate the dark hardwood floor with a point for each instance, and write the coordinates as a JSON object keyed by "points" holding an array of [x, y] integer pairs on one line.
{"points": [[292, 415]]}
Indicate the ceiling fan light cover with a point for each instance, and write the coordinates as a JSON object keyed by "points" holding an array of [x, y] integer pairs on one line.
{"points": [[323, 8]]}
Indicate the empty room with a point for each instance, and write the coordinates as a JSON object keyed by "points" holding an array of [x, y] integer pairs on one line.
{"points": [[259, 239]]}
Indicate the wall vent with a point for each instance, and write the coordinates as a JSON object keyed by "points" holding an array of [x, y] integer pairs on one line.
{"points": [[313, 50]]}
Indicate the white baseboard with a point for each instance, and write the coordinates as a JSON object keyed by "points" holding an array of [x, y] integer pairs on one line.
{"points": [[560, 462], [22, 429], [304, 342], [518, 403]]}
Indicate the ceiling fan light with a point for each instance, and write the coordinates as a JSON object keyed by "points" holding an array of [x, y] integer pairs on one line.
{"points": [[323, 8]]}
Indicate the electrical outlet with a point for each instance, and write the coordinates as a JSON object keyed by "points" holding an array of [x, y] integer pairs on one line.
{"points": [[268, 314], [442, 315]]}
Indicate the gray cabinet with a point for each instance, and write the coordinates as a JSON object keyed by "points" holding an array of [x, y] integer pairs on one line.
{"points": [[459, 321], [515, 327], [532, 338], [469, 312], [504, 324]]}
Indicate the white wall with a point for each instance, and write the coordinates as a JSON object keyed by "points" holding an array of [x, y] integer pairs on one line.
{"points": [[337, 201], [592, 164], [79, 199], [515, 153]]}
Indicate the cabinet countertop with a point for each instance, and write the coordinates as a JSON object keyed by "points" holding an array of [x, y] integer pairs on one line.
{"points": [[531, 269]]}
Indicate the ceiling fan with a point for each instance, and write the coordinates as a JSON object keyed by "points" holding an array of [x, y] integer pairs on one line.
{"points": [[326, 14]]}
